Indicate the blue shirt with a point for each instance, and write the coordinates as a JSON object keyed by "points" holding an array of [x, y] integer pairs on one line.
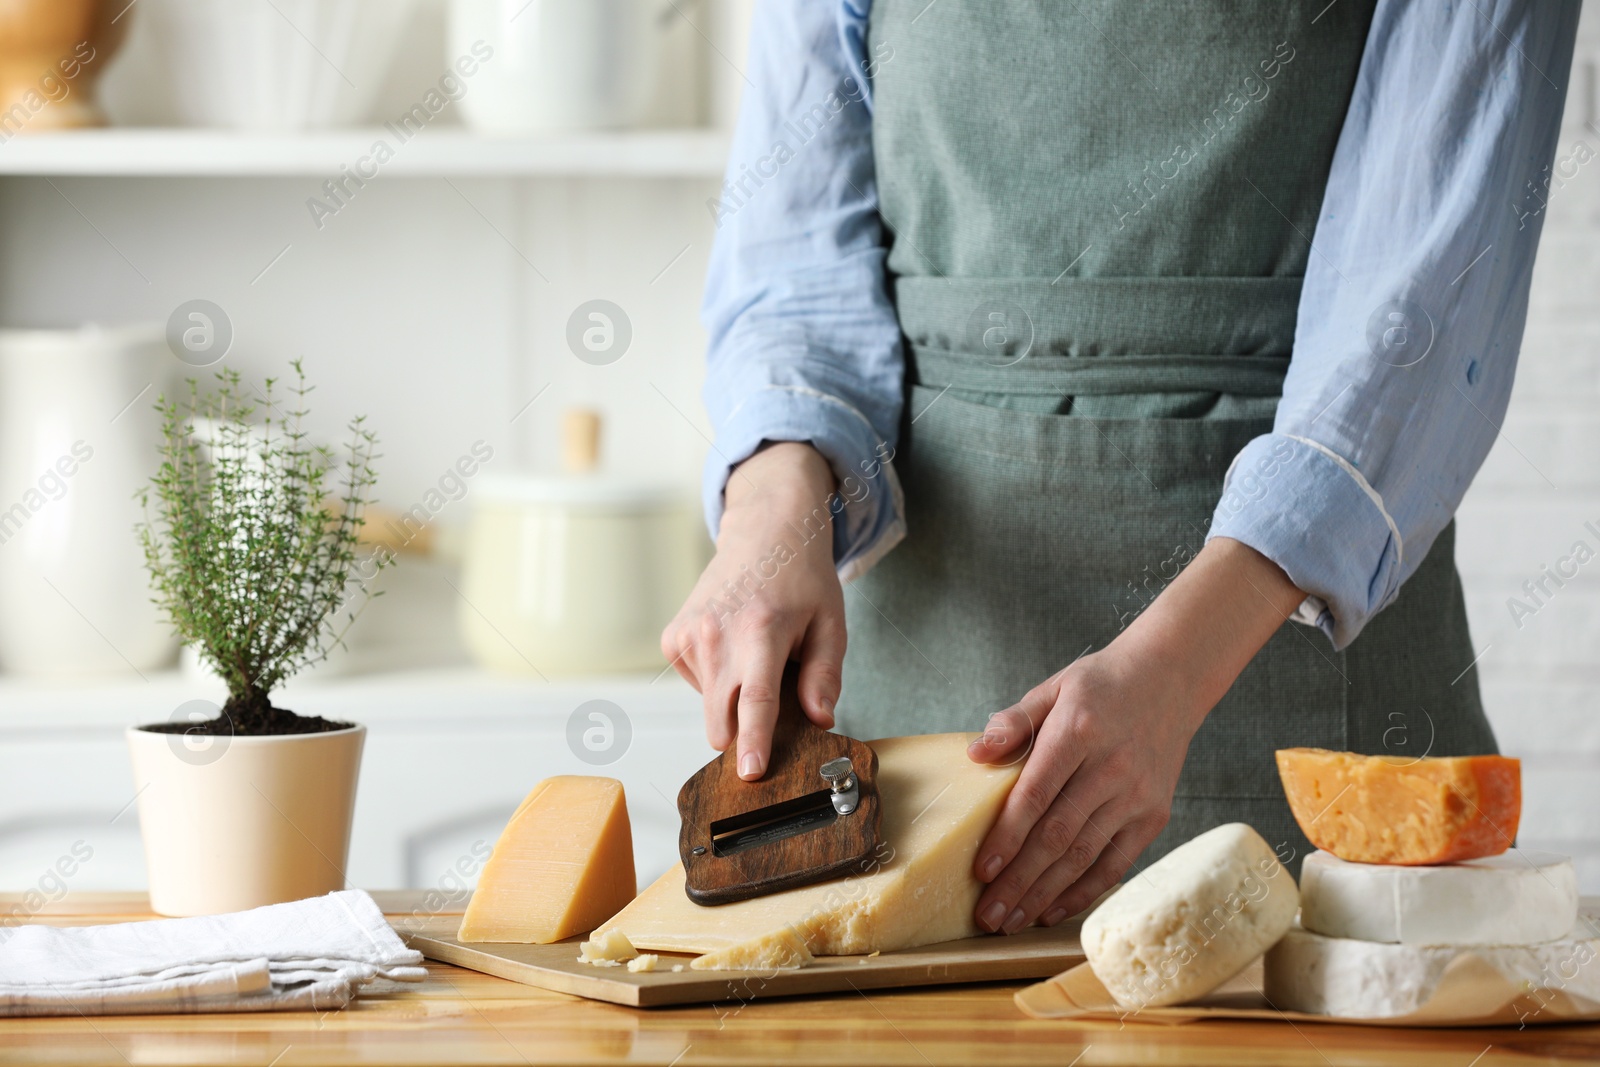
{"points": [[1409, 323]]}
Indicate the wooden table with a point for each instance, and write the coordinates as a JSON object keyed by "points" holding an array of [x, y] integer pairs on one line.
{"points": [[460, 1017]]}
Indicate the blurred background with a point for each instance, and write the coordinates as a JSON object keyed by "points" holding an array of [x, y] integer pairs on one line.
{"points": [[484, 224]]}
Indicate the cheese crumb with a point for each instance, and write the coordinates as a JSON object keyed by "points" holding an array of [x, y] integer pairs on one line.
{"points": [[611, 947], [676, 967], [646, 962]]}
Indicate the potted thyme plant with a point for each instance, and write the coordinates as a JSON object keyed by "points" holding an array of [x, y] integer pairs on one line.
{"points": [[251, 539]]}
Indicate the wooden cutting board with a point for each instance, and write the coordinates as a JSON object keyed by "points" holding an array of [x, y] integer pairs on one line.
{"points": [[1031, 954]]}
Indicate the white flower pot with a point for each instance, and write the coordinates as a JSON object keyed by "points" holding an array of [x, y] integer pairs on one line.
{"points": [[231, 823]]}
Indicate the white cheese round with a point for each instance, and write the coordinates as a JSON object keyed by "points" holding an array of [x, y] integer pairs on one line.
{"points": [[1372, 980], [1510, 899], [1191, 920]]}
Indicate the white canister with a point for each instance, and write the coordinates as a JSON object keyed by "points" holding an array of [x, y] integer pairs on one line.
{"points": [[78, 438], [575, 575], [283, 65], [560, 64]]}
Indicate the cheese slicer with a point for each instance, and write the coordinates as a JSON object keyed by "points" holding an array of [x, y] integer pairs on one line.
{"points": [[813, 816]]}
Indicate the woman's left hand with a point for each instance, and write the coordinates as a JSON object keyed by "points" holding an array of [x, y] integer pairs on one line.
{"points": [[1105, 739]]}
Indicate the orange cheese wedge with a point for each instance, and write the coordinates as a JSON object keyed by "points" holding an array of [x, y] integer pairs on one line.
{"points": [[562, 866], [1402, 810]]}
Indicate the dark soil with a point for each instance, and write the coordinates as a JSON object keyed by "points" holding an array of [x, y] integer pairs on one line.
{"points": [[251, 717]]}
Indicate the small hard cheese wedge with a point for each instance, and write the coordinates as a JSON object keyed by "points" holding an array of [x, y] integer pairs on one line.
{"points": [[1368, 980], [1509, 899], [1396, 809], [1191, 920], [562, 866], [917, 890]]}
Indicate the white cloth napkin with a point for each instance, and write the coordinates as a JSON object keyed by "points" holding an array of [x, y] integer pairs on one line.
{"points": [[308, 955]]}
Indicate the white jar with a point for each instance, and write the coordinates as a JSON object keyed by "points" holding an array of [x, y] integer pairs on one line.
{"points": [[560, 64], [283, 65], [78, 438], [575, 575]]}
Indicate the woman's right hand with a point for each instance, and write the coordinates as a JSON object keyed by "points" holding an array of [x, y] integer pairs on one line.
{"points": [[769, 595]]}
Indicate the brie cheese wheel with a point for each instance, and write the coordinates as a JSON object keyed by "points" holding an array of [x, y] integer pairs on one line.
{"points": [[1371, 980], [1510, 899], [1191, 920]]}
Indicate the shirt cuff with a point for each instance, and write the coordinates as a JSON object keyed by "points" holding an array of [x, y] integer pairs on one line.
{"points": [[868, 508], [1313, 513]]}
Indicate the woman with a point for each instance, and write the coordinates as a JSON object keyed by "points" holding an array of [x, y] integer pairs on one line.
{"points": [[1133, 329]]}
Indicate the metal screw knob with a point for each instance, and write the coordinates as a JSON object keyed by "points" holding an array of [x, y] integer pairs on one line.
{"points": [[839, 773]]}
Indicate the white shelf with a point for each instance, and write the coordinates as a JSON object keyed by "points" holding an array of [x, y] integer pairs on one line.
{"points": [[445, 152]]}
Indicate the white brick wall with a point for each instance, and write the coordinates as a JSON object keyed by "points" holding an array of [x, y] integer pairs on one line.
{"points": [[1541, 683]]}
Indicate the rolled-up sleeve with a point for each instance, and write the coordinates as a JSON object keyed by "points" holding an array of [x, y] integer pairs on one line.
{"points": [[804, 342], [1415, 296]]}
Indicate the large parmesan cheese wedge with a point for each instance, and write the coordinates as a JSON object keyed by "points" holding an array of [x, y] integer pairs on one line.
{"points": [[919, 889], [1370, 980], [562, 865], [1394, 809], [1191, 920], [1509, 899]]}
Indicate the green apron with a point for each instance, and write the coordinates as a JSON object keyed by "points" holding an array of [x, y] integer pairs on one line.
{"points": [[1099, 214]]}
